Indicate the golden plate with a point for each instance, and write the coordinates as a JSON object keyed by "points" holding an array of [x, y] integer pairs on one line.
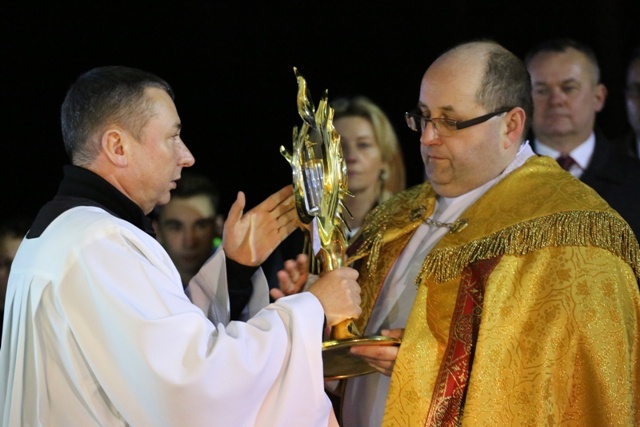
{"points": [[339, 363]]}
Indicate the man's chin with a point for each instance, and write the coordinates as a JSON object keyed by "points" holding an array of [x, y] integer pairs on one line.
{"points": [[191, 265], [560, 126], [164, 200]]}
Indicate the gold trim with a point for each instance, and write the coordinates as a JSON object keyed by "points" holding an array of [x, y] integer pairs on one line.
{"points": [[576, 228], [390, 221]]}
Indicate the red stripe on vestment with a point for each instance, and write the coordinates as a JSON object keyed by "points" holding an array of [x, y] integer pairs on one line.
{"points": [[447, 403]]}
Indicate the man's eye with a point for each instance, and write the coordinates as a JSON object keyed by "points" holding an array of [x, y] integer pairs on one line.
{"points": [[204, 224], [448, 123], [173, 227]]}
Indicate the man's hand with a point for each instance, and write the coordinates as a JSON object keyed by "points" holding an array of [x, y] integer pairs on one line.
{"points": [[380, 357], [339, 294], [249, 238], [293, 277]]}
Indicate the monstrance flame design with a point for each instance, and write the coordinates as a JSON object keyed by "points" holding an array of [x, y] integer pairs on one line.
{"points": [[320, 184]]}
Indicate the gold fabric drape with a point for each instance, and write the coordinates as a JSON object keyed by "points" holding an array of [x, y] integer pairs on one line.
{"points": [[529, 316]]}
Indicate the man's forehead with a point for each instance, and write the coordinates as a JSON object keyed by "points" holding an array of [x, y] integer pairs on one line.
{"points": [[446, 98], [560, 65], [159, 103], [544, 82], [443, 107], [196, 205], [451, 83]]}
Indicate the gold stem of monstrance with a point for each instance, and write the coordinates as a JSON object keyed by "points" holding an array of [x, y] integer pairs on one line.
{"points": [[319, 185]]}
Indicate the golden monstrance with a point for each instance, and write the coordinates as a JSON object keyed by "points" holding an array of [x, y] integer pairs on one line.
{"points": [[319, 185]]}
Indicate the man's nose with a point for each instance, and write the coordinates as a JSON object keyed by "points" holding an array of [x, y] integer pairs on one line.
{"points": [[556, 96], [429, 135], [186, 159], [188, 238]]}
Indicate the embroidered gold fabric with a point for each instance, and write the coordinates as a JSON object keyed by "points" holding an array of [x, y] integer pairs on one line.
{"points": [[558, 340], [558, 344], [391, 220], [391, 224]]}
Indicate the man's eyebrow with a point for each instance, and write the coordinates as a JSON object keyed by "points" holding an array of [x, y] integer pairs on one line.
{"points": [[571, 80], [207, 220], [544, 83], [448, 108], [171, 221]]}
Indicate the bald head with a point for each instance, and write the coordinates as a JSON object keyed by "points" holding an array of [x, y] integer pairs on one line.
{"points": [[473, 54], [478, 96], [461, 64], [501, 78]]}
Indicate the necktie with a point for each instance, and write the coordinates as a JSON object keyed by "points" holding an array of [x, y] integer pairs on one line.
{"points": [[566, 162]]}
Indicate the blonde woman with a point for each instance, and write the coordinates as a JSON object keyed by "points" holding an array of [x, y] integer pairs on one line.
{"points": [[374, 159]]}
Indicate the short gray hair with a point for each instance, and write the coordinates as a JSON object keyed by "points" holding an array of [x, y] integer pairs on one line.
{"points": [[101, 97]]}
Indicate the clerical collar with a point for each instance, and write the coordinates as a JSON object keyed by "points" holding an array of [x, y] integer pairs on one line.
{"points": [[81, 187]]}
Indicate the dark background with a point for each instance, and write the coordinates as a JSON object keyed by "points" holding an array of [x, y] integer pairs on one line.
{"points": [[230, 64]]}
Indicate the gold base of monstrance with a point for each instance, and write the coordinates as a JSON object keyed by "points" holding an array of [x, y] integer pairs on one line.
{"points": [[319, 185]]}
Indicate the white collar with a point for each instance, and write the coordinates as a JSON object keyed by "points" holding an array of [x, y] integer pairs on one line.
{"points": [[581, 154]]}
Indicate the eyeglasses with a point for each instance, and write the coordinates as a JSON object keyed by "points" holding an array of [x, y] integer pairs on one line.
{"points": [[446, 127]]}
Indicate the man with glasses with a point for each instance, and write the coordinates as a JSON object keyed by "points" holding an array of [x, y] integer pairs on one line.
{"points": [[567, 95], [632, 98], [512, 284]]}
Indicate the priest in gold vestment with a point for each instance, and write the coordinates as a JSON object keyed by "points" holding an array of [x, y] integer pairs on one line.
{"points": [[527, 308]]}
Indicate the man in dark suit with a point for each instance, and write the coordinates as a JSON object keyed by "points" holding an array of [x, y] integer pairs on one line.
{"points": [[567, 95], [632, 98]]}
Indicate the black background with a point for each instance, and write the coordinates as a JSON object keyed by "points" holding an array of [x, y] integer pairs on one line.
{"points": [[230, 64]]}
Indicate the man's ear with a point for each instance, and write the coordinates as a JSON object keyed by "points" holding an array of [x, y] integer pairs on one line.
{"points": [[514, 126], [114, 144], [600, 94]]}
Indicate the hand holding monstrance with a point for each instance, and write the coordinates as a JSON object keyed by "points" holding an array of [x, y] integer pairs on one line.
{"points": [[320, 183]]}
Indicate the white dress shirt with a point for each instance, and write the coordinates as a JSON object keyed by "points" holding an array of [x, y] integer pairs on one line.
{"points": [[581, 154]]}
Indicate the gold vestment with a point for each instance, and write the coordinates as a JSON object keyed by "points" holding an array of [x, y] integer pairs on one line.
{"points": [[529, 316]]}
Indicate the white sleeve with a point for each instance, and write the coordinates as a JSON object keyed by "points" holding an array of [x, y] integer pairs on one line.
{"points": [[209, 290], [161, 362]]}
